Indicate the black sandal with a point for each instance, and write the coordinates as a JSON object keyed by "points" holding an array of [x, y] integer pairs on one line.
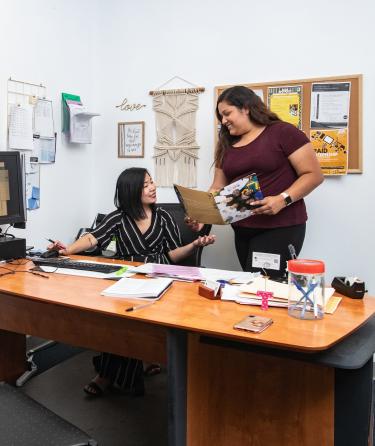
{"points": [[93, 389], [152, 369]]}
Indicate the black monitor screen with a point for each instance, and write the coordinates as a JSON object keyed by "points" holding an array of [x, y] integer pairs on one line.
{"points": [[12, 192]]}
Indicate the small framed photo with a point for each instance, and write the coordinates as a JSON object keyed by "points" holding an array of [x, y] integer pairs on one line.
{"points": [[131, 139]]}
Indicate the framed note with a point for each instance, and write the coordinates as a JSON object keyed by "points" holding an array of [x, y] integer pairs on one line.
{"points": [[131, 139]]}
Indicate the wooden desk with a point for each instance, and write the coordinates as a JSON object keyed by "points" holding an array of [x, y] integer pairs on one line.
{"points": [[234, 396]]}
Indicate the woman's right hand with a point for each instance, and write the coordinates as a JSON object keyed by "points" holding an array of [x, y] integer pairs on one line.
{"points": [[194, 225], [58, 246]]}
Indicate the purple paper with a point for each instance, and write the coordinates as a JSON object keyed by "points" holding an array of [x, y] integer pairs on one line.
{"points": [[180, 272]]}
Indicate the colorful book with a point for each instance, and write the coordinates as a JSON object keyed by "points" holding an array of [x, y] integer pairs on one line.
{"points": [[231, 203]]}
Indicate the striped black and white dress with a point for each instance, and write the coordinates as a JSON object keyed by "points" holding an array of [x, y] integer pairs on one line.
{"points": [[153, 246]]}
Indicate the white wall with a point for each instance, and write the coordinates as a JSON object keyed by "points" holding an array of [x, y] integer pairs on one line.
{"points": [[212, 43], [50, 42], [136, 46]]}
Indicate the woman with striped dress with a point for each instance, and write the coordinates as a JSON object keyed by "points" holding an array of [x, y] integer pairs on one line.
{"points": [[143, 233]]}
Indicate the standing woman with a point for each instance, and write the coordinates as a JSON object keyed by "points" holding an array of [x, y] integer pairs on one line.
{"points": [[144, 233], [254, 139]]}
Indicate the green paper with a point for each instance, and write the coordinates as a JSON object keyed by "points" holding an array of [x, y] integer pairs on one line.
{"points": [[65, 109]]}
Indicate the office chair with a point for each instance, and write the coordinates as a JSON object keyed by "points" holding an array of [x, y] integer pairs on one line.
{"points": [[96, 251], [178, 213], [23, 421], [42, 354]]}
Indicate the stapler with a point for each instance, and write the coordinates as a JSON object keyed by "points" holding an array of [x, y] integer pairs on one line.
{"points": [[349, 286]]}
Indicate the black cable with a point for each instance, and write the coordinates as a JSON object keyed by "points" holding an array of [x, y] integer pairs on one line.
{"points": [[36, 273], [5, 234], [21, 262], [10, 271], [5, 274], [7, 229], [17, 262]]}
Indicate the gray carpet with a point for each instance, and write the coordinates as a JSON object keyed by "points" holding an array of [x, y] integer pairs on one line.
{"points": [[113, 419]]}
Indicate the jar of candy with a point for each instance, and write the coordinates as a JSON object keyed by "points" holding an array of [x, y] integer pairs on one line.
{"points": [[306, 289]]}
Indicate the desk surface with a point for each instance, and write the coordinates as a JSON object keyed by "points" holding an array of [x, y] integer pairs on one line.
{"points": [[182, 307]]}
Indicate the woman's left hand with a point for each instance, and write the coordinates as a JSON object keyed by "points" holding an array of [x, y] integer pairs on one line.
{"points": [[204, 241], [269, 206]]}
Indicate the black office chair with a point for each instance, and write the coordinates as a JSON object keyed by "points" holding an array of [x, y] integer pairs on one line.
{"points": [[42, 354], [188, 235], [23, 421], [96, 251]]}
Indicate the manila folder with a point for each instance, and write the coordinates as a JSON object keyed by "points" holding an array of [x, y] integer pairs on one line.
{"points": [[199, 205]]}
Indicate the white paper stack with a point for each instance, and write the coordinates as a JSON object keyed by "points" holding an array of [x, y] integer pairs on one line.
{"points": [[246, 294], [204, 273]]}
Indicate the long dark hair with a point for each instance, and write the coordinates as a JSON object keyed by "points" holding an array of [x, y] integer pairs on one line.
{"points": [[241, 97], [128, 195]]}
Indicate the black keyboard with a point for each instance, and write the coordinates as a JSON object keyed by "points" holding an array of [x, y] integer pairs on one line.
{"points": [[74, 264]]}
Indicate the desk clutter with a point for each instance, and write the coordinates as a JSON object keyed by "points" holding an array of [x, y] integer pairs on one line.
{"points": [[244, 288], [248, 294]]}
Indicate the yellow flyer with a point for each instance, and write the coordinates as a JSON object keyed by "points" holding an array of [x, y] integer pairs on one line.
{"points": [[286, 102], [331, 148]]}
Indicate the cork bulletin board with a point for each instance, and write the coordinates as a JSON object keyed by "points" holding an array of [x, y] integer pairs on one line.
{"points": [[355, 110]]}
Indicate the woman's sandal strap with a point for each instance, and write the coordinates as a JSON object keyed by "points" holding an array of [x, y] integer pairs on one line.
{"points": [[93, 389]]}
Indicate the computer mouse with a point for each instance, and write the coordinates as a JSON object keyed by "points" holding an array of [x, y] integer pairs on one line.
{"points": [[49, 254]]}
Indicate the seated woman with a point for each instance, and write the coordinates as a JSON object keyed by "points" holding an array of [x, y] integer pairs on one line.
{"points": [[143, 233]]}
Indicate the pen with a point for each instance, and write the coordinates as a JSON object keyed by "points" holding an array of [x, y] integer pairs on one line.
{"points": [[292, 252], [138, 307], [38, 274], [223, 282], [59, 245]]}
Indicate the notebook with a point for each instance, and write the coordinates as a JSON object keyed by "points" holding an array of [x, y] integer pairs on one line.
{"points": [[231, 203], [145, 289]]}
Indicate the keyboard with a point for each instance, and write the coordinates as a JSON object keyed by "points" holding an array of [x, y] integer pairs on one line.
{"points": [[76, 264]]}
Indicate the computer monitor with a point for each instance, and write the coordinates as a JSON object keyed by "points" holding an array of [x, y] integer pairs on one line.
{"points": [[12, 188]]}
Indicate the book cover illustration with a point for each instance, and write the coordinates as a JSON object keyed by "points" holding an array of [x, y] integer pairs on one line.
{"points": [[231, 203], [235, 200]]}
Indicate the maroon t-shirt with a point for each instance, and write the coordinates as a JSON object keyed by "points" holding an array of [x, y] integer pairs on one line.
{"points": [[267, 156]]}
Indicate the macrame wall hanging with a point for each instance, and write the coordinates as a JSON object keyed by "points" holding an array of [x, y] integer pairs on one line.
{"points": [[176, 147]]}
